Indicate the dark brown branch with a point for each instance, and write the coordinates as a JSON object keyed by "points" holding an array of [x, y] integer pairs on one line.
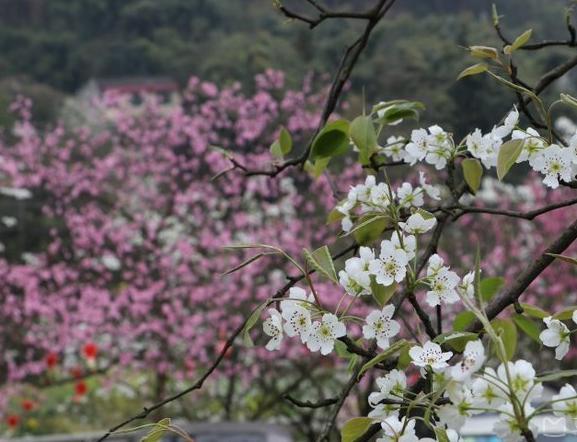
{"points": [[511, 295], [308, 404], [530, 215], [346, 66]]}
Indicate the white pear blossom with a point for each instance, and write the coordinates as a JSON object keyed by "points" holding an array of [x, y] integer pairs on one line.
{"points": [[554, 162], [416, 224], [381, 325], [408, 243], [459, 410], [432, 191], [409, 197], [355, 278], [532, 147], [418, 146], [393, 383], [467, 285], [556, 335], [565, 403], [272, 326], [323, 334], [439, 147], [430, 355], [488, 391], [396, 429], [391, 265], [508, 125], [442, 283], [472, 361], [522, 376], [508, 428], [443, 288], [574, 317], [297, 297], [382, 195], [394, 149]]}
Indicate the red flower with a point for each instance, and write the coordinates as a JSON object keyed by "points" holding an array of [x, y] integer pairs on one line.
{"points": [[13, 421], [90, 350], [80, 388], [75, 372], [51, 360], [28, 405]]}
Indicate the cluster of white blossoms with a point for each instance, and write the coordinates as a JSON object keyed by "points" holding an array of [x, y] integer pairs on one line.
{"points": [[557, 335], [371, 198], [466, 392], [435, 146], [297, 315]]}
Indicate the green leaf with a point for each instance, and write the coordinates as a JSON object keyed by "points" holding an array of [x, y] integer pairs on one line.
{"points": [[331, 141], [490, 286], [506, 328], [355, 428], [364, 136], [456, 340], [370, 229], [285, 141], [424, 213], [473, 173], [508, 154], [157, 431], [334, 216], [441, 434], [567, 259], [473, 70], [393, 112], [316, 168], [519, 42], [404, 358], [556, 375], [534, 311], [341, 349], [381, 293], [394, 348], [528, 326], [484, 52], [565, 314], [462, 320], [251, 322], [322, 261]]}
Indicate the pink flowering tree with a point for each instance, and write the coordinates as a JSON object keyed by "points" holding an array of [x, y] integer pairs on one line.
{"points": [[449, 288], [131, 270]]}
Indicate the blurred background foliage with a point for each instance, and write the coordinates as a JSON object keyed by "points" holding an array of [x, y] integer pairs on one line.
{"points": [[52, 48]]}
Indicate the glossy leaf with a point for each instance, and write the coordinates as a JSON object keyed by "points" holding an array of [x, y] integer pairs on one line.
{"points": [[332, 140], [508, 154], [476, 69], [473, 173], [321, 260], [355, 428], [364, 136]]}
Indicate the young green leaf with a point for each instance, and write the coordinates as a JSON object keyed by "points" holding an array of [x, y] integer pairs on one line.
{"points": [[251, 322], [462, 320], [556, 375], [331, 141], [565, 314], [285, 140], [456, 340], [370, 229], [484, 52], [322, 261], [158, 431], [508, 154], [519, 42], [355, 428], [506, 328], [534, 311], [528, 326], [473, 70], [394, 348], [490, 286], [364, 136], [381, 293], [567, 259], [473, 173]]}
